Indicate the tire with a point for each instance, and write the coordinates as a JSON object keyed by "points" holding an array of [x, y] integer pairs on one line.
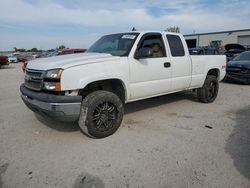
{"points": [[209, 90], [101, 114]]}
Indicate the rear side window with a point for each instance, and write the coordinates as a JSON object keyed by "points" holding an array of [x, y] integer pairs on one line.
{"points": [[176, 46]]}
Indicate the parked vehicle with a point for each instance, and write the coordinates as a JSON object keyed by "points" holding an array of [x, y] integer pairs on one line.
{"points": [[56, 53], [52, 53], [93, 87], [42, 54], [232, 50], [3, 61], [203, 51], [12, 59], [71, 51], [238, 69], [25, 59], [24, 66]]}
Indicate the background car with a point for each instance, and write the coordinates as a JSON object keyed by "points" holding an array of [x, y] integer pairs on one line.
{"points": [[52, 53], [71, 51], [25, 57], [232, 50], [239, 68], [4, 60], [55, 53], [12, 59], [203, 51]]}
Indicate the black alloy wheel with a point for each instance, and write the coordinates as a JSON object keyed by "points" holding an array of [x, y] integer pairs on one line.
{"points": [[104, 116], [209, 90], [101, 114], [212, 90]]}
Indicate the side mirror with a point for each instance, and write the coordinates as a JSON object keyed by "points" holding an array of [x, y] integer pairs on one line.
{"points": [[144, 53]]}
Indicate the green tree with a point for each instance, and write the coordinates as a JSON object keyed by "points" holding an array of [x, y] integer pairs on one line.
{"points": [[33, 50], [174, 29], [60, 47], [19, 49]]}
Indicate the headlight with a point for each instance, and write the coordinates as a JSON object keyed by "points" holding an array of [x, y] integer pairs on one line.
{"points": [[52, 80], [52, 86], [54, 74]]}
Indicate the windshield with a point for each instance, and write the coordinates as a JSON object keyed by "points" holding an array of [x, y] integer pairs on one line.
{"points": [[116, 44], [245, 56]]}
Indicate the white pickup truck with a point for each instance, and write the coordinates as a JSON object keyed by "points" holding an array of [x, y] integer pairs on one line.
{"points": [[93, 87]]}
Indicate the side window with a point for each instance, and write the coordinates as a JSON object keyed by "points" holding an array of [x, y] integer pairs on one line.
{"points": [[176, 46], [155, 42]]}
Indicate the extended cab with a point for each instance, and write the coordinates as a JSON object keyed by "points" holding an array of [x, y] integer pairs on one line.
{"points": [[93, 87]]}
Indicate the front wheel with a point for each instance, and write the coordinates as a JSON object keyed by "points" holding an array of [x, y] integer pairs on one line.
{"points": [[209, 90], [101, 114]]}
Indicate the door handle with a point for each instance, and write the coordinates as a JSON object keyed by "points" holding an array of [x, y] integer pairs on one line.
{"points": [[167, 64]]}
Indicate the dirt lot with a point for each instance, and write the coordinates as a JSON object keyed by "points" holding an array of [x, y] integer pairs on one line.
{"points": [[169, 141]]}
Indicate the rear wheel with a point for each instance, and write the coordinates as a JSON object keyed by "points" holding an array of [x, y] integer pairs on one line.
{"points": [[209, 90], [101, 114]]}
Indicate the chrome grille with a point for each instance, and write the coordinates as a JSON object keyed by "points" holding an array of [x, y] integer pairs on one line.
{"points": [[34, 79]]}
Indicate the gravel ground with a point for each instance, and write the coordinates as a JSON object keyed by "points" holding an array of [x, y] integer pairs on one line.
{"points": [[169, 141]]}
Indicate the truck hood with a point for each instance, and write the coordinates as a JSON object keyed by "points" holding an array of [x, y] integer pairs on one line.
{"points": [[234, 47], [66, 61]]}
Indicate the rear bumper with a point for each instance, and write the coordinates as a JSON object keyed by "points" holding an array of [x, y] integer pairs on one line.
{"points": [[61, 108]]}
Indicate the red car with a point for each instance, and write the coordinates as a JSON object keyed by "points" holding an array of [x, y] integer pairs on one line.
{"points": [[4, 61], [71, 51]]}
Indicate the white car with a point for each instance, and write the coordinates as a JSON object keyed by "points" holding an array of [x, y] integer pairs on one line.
{"points": [[92, 88], [12, 59]]}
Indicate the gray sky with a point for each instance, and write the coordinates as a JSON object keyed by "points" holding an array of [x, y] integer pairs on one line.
{"points": [[46, 24]]}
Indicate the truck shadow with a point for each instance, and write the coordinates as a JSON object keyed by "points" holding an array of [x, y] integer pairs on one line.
{"points": [[159, 101], [238, 143], [57, 125], [3, 168], [7, 67], [129, 108], [234, 82]]}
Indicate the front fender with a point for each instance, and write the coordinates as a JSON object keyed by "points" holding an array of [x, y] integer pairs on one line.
{"points": [[78, 77]]}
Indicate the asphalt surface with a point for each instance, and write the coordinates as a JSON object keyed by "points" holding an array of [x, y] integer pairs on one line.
{"points": [[169, 141]]}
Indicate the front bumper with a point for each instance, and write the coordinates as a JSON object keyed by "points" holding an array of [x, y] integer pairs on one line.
{"points": [[61, 108], [244, 78], [5, 63], [13, 61]]}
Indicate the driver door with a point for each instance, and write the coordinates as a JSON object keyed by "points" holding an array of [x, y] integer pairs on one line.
{"points": [[150, 76]]}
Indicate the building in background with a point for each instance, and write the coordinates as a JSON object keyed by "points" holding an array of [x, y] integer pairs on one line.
{"points": [[219, 39]]}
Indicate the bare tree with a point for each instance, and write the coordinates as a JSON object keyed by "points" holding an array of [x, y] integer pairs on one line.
{"points": [[174, 29]]}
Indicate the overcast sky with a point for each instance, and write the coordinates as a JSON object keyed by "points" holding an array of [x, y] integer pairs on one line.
{"points": [[46, 24]]}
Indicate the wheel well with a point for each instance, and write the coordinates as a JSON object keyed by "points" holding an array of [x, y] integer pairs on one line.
{"points": [[214, 72], [113, 85]]}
